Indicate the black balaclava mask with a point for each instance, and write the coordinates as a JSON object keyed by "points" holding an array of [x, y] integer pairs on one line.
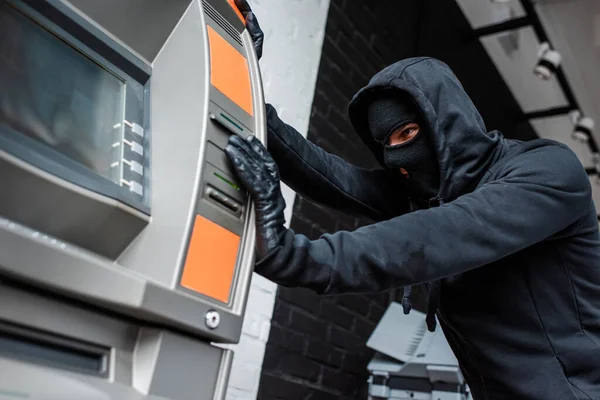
{"points": [[390, 111]]}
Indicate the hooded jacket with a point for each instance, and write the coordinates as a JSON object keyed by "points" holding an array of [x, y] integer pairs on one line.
{"points": [[513, 245]]}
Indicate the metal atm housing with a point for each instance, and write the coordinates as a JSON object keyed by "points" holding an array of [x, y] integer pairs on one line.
{"points": [[126, 243]]}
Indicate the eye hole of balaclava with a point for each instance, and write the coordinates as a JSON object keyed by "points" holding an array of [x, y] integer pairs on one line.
{"points": [[395, 122]]}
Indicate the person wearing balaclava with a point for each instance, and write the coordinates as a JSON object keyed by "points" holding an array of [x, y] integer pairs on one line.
{"points": [[504, 233], [394, 122]]}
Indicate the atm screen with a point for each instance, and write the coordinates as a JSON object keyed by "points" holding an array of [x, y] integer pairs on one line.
{"points": [[54, 94], [69, 111]]}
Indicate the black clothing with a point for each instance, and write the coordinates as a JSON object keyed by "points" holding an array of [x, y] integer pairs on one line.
{"points": [[513, 245], [390, 112]]}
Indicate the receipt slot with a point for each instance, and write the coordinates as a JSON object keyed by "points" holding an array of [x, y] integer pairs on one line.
{"points": [[126, 242]]}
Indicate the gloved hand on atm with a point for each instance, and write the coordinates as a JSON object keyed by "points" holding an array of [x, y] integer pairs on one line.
{"points": [[259, 175], [252, 26]]}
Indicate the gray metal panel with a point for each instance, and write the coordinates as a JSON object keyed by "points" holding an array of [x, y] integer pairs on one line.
{"points": [[228, 13], [61, 268], [144, 25], [66, 320], [43, 261], [183, 368], [66, 211], [62, 318], [187, 312], [179, 116], [147, 363], [30, 381], [70, 354], [217, 134], [220, 392]]}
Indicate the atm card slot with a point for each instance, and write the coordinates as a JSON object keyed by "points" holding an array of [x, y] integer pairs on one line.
{"points": [[225, 201], [224, 182], [229, 123], [226, 120]]}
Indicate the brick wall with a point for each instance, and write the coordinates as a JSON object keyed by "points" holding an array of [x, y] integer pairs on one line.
{"points": [[316, 348]]}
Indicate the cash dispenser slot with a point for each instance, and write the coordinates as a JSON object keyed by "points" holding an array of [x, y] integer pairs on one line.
{"points": [[46, 349], [224, 191]]}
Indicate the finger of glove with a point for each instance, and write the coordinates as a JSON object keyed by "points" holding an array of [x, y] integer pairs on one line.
{"points": [[247, 152], [243, 6], [258, 160], [253, 148], [245, 168], [244, 146], [262, 151], [256, 33], [254, 28], [259, 148]]}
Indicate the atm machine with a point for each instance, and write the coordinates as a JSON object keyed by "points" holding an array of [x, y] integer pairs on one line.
{"points": [[126, 243]]}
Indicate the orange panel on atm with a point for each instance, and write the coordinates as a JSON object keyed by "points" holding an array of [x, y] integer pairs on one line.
{"points": [[210, 265], [229, 71]]}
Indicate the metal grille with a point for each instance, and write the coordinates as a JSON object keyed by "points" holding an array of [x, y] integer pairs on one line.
{"points": [[222, 22]]}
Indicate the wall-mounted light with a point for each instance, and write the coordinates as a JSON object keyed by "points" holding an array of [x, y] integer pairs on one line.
{"points": [[548, 62], [501, 1], [583, 127]]}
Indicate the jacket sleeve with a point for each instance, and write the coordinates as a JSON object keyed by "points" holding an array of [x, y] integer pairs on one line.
{"points": [[538, 196], [328, 179]]}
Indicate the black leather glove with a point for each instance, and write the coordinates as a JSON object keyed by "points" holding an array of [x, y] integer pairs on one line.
{"points": [[258, 173], [252, 25]]}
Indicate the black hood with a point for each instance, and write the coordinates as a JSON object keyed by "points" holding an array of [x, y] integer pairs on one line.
{"points": [[464, 147]]}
